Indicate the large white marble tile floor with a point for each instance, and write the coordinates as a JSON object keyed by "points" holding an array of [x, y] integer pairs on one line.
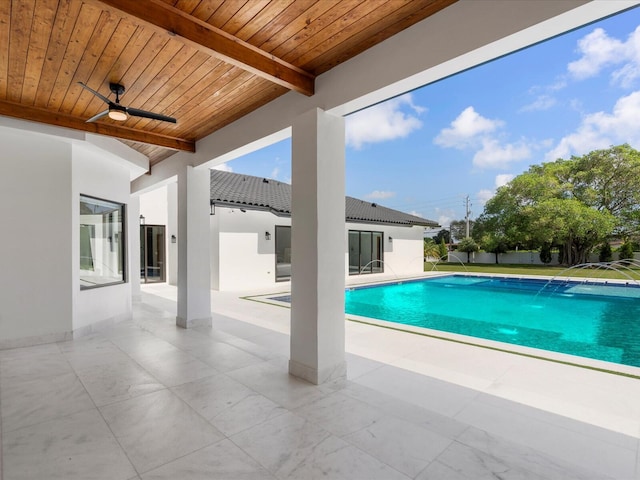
{"points": [[147, 400]]}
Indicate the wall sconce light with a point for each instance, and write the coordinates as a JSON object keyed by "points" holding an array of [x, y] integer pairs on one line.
{"points": [[141, 219], [390, 239], [267, 236], [173, 239], [212, 209]]}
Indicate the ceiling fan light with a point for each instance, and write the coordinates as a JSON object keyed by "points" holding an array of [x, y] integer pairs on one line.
{"points": [[119, 115]]}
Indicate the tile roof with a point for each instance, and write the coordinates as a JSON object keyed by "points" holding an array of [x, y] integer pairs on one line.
{"points": [[256, 193]]}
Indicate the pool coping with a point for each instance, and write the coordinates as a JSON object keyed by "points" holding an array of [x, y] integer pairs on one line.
{"points": [[520, 350]]}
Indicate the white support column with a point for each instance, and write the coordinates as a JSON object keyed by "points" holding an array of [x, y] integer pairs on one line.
{"points": [[194, 293], [133, 226], [318, 247]]}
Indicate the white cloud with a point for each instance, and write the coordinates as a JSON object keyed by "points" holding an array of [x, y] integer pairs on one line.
{"points": [[494, 155], [601, 130], [484, 195], [274, 173], [444, 220], [416, 214], [383, 122], [223, 167], [380, 194], [503, 179], [466, 129], [543, 102], [599, 51]]}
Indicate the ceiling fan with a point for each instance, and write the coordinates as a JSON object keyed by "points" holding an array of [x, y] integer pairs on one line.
{"points": [[120, 112]]}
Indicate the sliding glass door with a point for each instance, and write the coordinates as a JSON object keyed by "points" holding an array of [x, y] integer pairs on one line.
{"points": [[152, 253]]}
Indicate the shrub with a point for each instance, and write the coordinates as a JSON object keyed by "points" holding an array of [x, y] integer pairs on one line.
{"points": [[605, 254], [625, 252], [545, 253]]}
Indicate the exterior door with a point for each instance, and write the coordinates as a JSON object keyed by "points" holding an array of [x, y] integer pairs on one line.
{"points": [[152, 253]]}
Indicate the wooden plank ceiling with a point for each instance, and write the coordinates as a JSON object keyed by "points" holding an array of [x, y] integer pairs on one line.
{"points": [[204, 62]]}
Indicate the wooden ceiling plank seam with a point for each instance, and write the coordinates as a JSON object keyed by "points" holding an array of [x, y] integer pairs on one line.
{"points": [[280, 22], [245, 15], [151, 70], [62, 29], [153, 97], [225, 75], [229, 93], [205, 10], [86, 21], [251, 101], [140, 39], [5, 28], [187, 6], [147, 56], [354, 20], [355, 39], [296, 25], [205, 104], [274, 10], [193, 92], [183, 81], [366, 39], [92, 56], [225, 12], [36, 114], [216, 42], [112, 52], [20, 33], [157, 155], [318, 27], [44, 15]]}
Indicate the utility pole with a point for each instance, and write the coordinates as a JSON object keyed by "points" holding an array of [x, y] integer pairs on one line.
{"points": [[467, 213]]}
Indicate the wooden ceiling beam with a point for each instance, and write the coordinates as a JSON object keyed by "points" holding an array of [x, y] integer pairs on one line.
{"points": [[35, 114], [213, 41]]}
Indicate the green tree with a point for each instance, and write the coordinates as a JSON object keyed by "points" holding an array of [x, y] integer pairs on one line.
{"points": [[443, 250], [575, 204], [459, 228], [431, 249], [468, 245], [494, 243], [443, 235]]}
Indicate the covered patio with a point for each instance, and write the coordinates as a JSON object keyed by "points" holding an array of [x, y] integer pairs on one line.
{"points": [[147, 399], [119, 381]]}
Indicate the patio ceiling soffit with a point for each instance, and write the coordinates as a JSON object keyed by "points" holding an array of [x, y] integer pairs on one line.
{"points": [[165, 19]]}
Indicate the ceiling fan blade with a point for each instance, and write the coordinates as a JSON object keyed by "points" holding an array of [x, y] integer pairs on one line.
{"points": [[99, 95], [98, 116], [134, 112]]}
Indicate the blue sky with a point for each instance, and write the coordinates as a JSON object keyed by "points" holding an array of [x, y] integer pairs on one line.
{"points": [[425, 151]]}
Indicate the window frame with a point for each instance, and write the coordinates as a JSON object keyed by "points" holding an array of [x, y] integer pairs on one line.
{"points": [[374, 234], [122, 241]]}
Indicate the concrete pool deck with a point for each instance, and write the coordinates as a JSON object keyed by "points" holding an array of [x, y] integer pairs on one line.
{"points": [[148, 400]]}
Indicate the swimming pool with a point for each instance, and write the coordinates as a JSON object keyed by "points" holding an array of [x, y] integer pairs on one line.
{"points": [[589, 320]]}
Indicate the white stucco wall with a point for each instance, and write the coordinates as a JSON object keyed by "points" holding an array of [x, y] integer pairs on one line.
{"points": [[97, 176], [242, 259], [35, 238], [41, 179]]}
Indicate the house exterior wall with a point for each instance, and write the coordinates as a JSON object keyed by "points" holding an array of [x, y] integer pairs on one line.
{"points": [[36, 239], [41, 178], [242, 259], [99, 177]]}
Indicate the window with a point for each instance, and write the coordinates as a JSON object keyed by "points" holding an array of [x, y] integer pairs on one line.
{"points": [[283, 253], [365, 252], [102, 243]]}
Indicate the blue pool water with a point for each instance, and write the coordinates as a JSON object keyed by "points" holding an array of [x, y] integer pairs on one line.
{"points": [[593, 321]]}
